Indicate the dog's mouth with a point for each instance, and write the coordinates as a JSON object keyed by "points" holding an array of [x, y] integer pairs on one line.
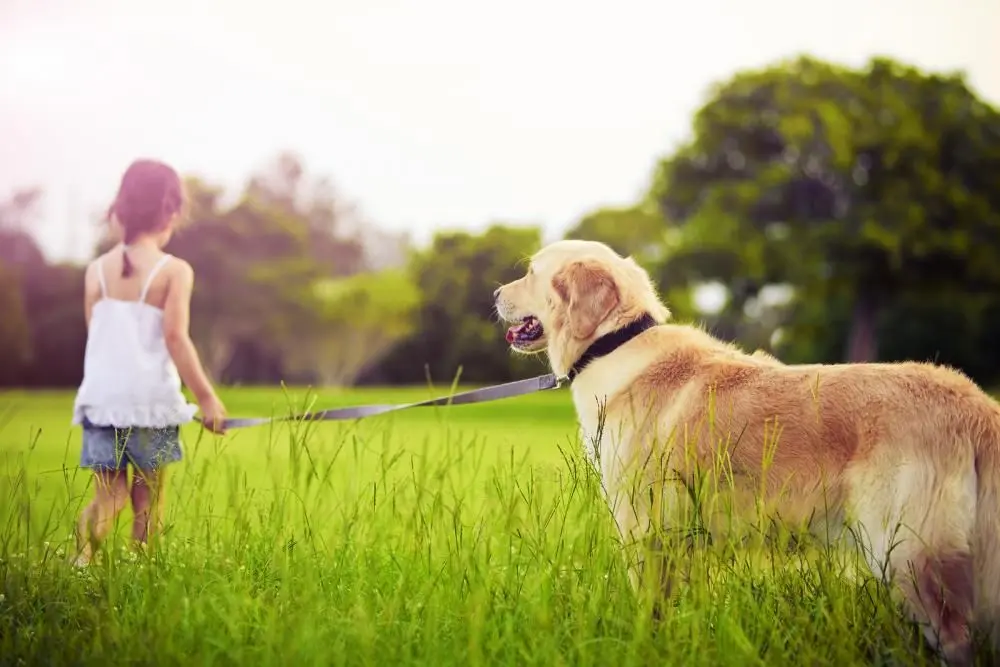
{"points": [[526, 332]]}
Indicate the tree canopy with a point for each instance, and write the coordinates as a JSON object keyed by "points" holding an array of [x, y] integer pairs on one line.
{"points": [[872, 183], [456, 328]]}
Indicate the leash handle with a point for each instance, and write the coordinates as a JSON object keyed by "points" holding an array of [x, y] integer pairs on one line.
{"points": [[482, 395]]}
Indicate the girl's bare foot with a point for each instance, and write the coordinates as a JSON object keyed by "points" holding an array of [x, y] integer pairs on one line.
{"points": [[82, 558]]}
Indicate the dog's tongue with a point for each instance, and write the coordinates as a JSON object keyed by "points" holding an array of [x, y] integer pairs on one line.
{"points": [[514, 330]]}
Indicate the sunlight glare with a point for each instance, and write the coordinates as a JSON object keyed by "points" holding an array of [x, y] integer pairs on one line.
{"points": [[30, 62]]}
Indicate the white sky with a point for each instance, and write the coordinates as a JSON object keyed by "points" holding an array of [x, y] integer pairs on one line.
{"points": [[428, 114]]}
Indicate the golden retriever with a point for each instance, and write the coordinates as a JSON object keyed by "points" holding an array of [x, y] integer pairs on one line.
{"points": [[906, 456]]}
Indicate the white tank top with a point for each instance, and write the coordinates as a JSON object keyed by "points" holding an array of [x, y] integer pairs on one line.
{"points": [[129, 378]]}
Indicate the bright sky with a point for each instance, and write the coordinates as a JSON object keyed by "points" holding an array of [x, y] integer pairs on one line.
{"points": [[428, 114]]}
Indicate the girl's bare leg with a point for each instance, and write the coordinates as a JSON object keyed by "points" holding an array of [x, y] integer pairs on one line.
{"points": [[110, 497], [147, 504]]}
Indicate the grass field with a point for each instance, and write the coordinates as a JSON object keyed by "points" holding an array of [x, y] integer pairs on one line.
{"points": [[467, 535]]}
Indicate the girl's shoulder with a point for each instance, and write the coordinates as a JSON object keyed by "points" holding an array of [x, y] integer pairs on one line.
{"points": [[97, 264], [178, 267], [91, 274], [176, 274], [100, 261]]}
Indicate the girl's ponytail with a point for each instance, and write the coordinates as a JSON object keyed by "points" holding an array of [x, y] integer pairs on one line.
{"points": [[127, 268]]}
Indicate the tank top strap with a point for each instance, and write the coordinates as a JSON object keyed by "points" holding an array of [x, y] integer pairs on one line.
{"points": [[152, 274], [100, 278]]}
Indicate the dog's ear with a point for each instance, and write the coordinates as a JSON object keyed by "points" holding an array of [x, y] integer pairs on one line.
{"points": [[590, 294]]}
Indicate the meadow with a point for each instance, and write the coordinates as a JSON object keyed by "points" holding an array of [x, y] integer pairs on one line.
{"points": [[466, 535]]}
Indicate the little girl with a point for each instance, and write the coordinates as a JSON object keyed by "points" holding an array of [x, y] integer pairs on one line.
{"points": [[137, 303]]}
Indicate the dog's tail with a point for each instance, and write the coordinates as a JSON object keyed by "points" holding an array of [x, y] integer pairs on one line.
{"points": [[986, 547]]}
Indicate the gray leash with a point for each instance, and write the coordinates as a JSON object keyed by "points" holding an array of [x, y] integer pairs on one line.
{"points": [[483, 395]]}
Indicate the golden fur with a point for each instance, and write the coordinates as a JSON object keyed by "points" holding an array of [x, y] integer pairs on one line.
{"points": [[907, 454]]}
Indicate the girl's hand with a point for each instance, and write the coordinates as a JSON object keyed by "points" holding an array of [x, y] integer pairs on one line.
{"points": [[213, 414]]}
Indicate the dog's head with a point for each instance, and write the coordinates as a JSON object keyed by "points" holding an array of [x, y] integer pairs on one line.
{"points": [[573, 293]]}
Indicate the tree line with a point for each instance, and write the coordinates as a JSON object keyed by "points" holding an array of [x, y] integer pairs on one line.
{"points": [[841, 213]]}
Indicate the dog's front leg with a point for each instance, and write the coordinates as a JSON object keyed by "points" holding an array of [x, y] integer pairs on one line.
{"points": [[654, 573], [650, 546]]}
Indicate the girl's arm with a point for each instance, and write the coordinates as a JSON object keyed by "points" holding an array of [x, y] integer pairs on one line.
{"points": [[176, 332]]}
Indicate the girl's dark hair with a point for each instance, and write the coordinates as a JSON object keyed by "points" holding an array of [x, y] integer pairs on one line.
{"points": [[149, 196]]}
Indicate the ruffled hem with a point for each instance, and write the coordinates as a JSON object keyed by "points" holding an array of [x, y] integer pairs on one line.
{"points": [[136, 416]]}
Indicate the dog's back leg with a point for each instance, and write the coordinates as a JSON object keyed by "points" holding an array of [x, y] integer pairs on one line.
{"points": [[915, 521]]}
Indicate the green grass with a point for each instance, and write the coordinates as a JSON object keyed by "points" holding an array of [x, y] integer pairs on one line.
{"points": [[462, 536]]}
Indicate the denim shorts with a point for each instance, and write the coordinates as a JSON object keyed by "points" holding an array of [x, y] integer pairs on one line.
{"points": [[110, 448]]}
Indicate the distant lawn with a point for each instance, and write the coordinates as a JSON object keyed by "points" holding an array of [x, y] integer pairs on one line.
{"points": [[469, 535]]}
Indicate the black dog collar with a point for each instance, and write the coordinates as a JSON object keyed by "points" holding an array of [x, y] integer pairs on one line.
{"points": [[610, 342]]}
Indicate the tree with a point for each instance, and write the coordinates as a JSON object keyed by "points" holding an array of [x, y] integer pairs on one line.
{"points": [[15, 335], [42, 304], [636, 230], [17, 246], [862, 185], [53, 303], [363, 316], [20, 208], [254, 278], [332, 223], [457, 328]]}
